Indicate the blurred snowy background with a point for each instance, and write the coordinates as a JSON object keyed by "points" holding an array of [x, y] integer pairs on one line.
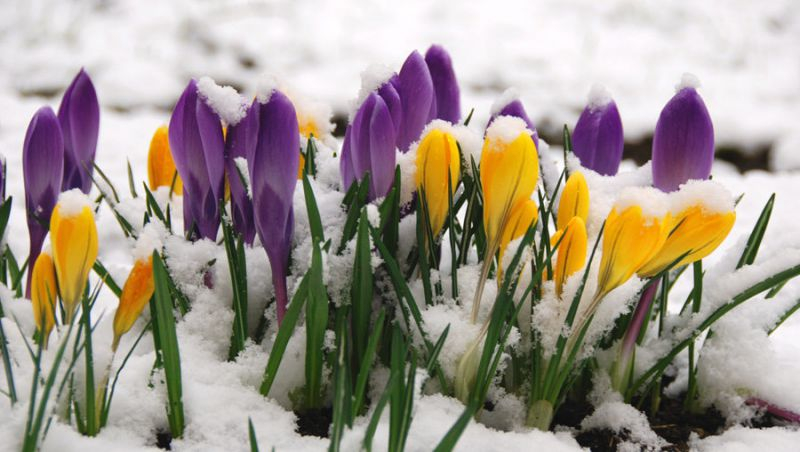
{"points": [[141, 53]]}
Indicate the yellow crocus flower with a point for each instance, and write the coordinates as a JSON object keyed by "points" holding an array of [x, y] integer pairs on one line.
{"points": [[696, 234], [509, 172], [43, 295], [574, 201], [307, 126], [523, 216], [73, 235], [571, 251], [160, 165], [136, 292], [437, 155], [630, 240]]}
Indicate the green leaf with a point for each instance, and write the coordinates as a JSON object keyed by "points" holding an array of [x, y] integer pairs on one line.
{"points": [[316, 324], [314, 219], [754, 241], [360, 191], [366, 363], [165, 324], [284, 334], [252, 435], [237, 266], [390, 214], [342, 398], [101, 271], [131, 183]]}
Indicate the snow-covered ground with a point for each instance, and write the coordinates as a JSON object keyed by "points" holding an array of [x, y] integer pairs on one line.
{"points": [[141, 53]]}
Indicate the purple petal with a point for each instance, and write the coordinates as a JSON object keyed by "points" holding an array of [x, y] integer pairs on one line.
{"points": [[239, 143], [683, 142], [42, 172], [79, 115], [517, 110], [382, 150], [445, 84], [416, 95], [388, 93], [360, 141], [273, 174], [598, 138]]}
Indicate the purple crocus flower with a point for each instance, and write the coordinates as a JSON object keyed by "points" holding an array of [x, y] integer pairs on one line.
{"points": [[273, 175], [42, 171], [79, 116], [239, 143], [683, 142], [597, 139], [516, 109], [415, 87], [621, 370], [196, 141], [370, 146], [447, 100], [346, 162]]}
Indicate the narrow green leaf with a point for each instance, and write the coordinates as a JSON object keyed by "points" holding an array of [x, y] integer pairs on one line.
{"points": [[284, 334], [316, 324], [101, 271], [131, 183], [361, 290], [252, 435], [366, 363], [238, 271], [314, 219], [754, 240]]}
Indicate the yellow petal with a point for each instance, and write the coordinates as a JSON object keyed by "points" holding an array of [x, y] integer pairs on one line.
{"points": [[138, 289], [437, 155], [695, 234], [301, 166], [509, 172], [73, 235], [160, 165], [43, 295], [574, 200], [571, 251], [630, 240], [307, 126]]}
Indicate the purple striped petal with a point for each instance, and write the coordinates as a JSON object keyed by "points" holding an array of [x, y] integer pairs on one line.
{"points": [[382, 150], [346, 162], [683, 142], [517, 110], [42, 172], [445, 85], [239, 143], [360, 139], [598, 138], [273, 175], [389, 94], [416, 95], [79, 116]]}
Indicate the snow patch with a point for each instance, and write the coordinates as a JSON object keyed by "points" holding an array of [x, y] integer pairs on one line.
{"points": [[224, 100]]}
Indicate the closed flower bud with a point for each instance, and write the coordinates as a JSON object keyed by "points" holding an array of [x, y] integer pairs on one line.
{"points": [[574, 201], [598, 139], [509, 170], [447, 101], [79, 115], [43, 295], [437, 157], [73, 235], [509, 105], [415, 88], [371, 143], [630, 239], [43, 170], [571, 252], [683, 142], [467, 370], [700, 226], [136, 293], [160, 165]]}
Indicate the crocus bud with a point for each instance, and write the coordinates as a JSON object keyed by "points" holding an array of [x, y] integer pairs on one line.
{"points": [[598, 139], [136, 293], [197, 143], [79, 115], [239, 143], [43, 295], [467, 370], [43, 170], [510, 105], [437, 158], [683, 142], [703, 216], [522, 217], [73, 235], [417, 97], [160, 165], [509, 171], [273, 175], [346, 169], [447, 99], [371, 143], [571, 252], [574, 201], [630, 239]]}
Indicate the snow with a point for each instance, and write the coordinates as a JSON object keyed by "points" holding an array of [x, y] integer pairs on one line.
{"points": [[653, 202], [599, 96], [620, 417], [712, 196], [506, 129], [224, 100], [72, 203], [688, 81], [508, 96]]}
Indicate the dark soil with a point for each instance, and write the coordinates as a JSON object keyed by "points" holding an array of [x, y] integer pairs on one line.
{"points": [[164, 440], [315, 422]]}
